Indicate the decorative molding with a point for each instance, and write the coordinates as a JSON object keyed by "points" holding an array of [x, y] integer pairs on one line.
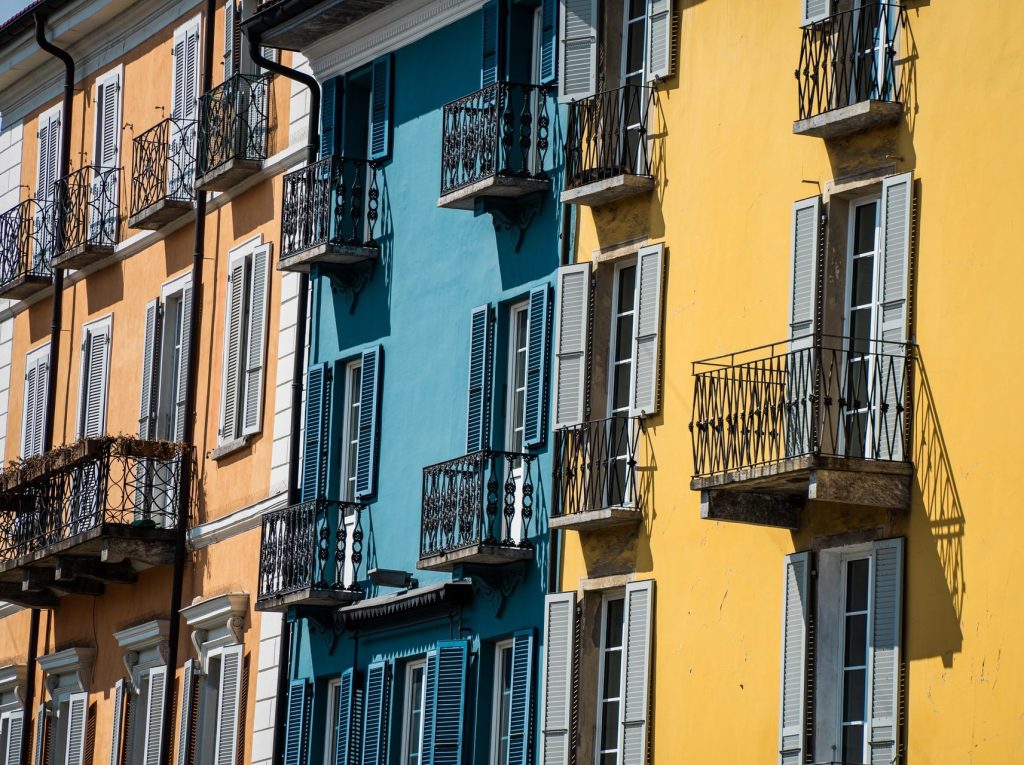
{"points": [[75, 663], [217, 621], [146, 644], [12, 680], [233, 524]]}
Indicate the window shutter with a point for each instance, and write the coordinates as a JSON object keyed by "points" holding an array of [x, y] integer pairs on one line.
{"points": [[639, 612], [36, 381], [795, 616], [548, 41], [380, 108], [659, 39], [150, 371], [226, 744], [536, 368], [131, 703], [296, 737], [318, 387], [491, 44], [375, 716], [154, 716], [814, 10], [886, 629], [450, 702], [117, 726], [342, 753], [181, 403], [252, 416], [39, 755], [15, 726], [186, 728], [429, 699], [369, 405], [646, 350], [178, 54], [579, 49], [108, 120], [328, 114], [480, 364], [95, 371], [78, 711], [190, 90], [571, 338], [804, 272], [557, 673], [233, 327], [232, 40], [49, 159], [520, 723]]}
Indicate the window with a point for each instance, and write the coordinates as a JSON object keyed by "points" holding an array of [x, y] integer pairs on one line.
{"points": [[517, 352], [11, 728], [220, 702], [609, 681], [147, 715], [412, 714], [350, 429], [853, 676], [356, 114], [36, 381], [106, 159], [95, 372], [69, 725], [860, 321], [502, 703], [48, 168]]}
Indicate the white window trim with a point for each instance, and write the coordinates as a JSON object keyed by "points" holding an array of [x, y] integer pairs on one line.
{"points": [[620, 266], [514, 310], [31, 358], [606, 596], [332, 713], [858, 552], [107, 321], [496, 694], [347, 447], [115, 75], [170, 290], [410, 668]]}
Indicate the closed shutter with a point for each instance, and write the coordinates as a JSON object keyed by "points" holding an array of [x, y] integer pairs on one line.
{"points": [[795, 616], [375, 715], [491, 36], [328, 116], [814, 10], [429, 698], [450, 702], [557, 673], [95, 374], [252, 415], [318, 387], [49, 155], [647, 348], [108, 120], [181, 401], [548, 41], [232, 40], [15, 727], [370, 371], [343, 746], [480, 364], [639, 617], [150, 371], [380, 108], [659, 39], [186, 711], [117, 724], [296, 737], [40, 753], [520, 721], [154, 716], [579, 49], [536, 368], [571, 339], [804, 272], [886, 631], [234, 326], [228, 705], [78, 713]]}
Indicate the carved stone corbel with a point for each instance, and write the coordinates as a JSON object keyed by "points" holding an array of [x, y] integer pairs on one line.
{"points": [[236, 626], [198, 638], [131, 659]]}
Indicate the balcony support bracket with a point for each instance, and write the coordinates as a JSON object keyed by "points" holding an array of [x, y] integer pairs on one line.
{"points": [[349, 279], [498, 583], [779, 510], [513, 215]]}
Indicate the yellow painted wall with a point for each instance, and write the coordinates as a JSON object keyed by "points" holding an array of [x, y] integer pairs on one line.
{"points": [[730, 169]]}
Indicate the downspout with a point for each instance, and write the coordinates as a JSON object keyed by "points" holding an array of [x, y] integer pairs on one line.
{"points": [[298, 367], [191, 383], [49, 424]]}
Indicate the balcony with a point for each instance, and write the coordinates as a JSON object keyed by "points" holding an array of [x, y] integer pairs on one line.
{"points": [[329, 214], [295, 24], [93, 512], [494, 144], [477, 509], [233, 131], [826, 418], [163, 174], [850, 78], [310, 555], [26, 238], [87, 218], [596, 478], [607, 148]]}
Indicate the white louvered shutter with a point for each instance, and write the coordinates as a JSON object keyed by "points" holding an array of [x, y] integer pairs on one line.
{"points": [[78, 712], [95, 378], [234, 319], [42, 730], [185, 83], [154, 716], [259, 283], [795, 615], [804, 272], [572, 322], [886, 635], [15, 727], [814, 10], [228, 704], [180, 403], [636, 653], [189, 681], [557, 672], [108, 120], [49, 155], [659, 39], [36, 374], [647, 347], [232, 39], [150, 371], [578, 72], [117, 721]]}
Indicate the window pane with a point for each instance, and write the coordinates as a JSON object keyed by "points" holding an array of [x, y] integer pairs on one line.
{"points": [[620, 391], [613, 628], [612, 674], [864, 229], [610, 725], [857, 585], [624, 338], [853, 744], [627, 284], [853, 694], [862, 275], [635, 47], [856, 640]]}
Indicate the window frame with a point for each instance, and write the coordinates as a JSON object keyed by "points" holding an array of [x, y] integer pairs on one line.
{"points": [[607, 597], [104, 321], [351, 388], [499, 731], [620, 266], [172, 293], [411, 666], [845, 558], [521, 308], [333, 690]]}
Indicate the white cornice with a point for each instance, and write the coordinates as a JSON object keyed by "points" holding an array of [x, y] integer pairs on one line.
{"points": [[76, 663], [235, 523], [142, 636], [214, 612], [12, 679]]}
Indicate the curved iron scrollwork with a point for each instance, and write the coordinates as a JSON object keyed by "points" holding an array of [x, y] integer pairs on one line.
{"points": [[88, 213], [233, 121], [607, 135], [164, 164], [596, 465], [26, 241]]}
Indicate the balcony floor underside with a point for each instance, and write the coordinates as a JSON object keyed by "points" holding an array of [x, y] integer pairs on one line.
{"points": [[23, 286], [160, 213], [478, 554], [327, 254], [308, 597], [226, 175]]}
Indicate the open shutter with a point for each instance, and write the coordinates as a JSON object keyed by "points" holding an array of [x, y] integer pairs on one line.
{"points": [[78, 711], [639, 615], [296, 737], [49, 151], [39, 755], [186, 712], [95, 373], [647, 348], [190, 90], [232, 40], [15, 726], [429, 699], [380, 108], [450, 702], [814, 10], [178, 54], [579, 49], [480, 364], [108, 120], [571, 337], [795, 616], [234, 316], [252, 415], [520, 721], [886, 630], [228, 702], [548, 41], [369, 404], [150, 371], [491, 44], [375, 716], [154, 716], [804, 272], [659, 39], [181, 402], [117, 725], [36, 382], [536, 368], [328, 115], [343, 748], [318, 387], [557, 673]]}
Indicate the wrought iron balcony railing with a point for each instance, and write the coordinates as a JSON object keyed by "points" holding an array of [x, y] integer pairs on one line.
{"points": [[26, 242], [90, 485], [596, 466], [831, 396], [483, 498], [314, 545], [607, 135], [500, 130], [164, 165], [233, 122], [850, 57], [87, 213], [333, 201]]}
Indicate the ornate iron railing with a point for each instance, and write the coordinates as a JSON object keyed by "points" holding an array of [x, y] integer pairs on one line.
{"points": [[850, 57], [482, 498], [233, 121], [164, 164], [90, 484], [833, 396], [310, 546], [607, 135], [501, 129], [87, 208], [333, 201], [26, 241], [595, 466]]}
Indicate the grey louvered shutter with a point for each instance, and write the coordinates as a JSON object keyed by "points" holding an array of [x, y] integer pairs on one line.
{"points": [[78, 713], [178, 55], [520, 720], [108, 121], [558, 669], [181, 402], [659, 39], [150, 371], [578, 72], [792, 698], [117, 724], [232, 39], [190, 88], [39, 745], [15, 727], [234, 325], [49, 155], [370, 371], [647, 347], [535, 414], [296, 737], [886, 636], [380, 107], [572, 324], [481, 354], [95, 376], [186, 710], [255, 356], [814, 10], [36, 382], [491, 36], [154, 716], [804, 272], [450, 703], [429, 698], [317, 419], [328, 116], [343, 742], [636, 652], [377, 700], [228, 706]]}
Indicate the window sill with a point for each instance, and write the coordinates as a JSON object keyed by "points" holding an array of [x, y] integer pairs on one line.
{"points": [[227, 448]]}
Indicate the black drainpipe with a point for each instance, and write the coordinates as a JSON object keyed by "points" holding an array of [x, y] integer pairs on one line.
{"points": [[187, 465], [294, 440]]}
